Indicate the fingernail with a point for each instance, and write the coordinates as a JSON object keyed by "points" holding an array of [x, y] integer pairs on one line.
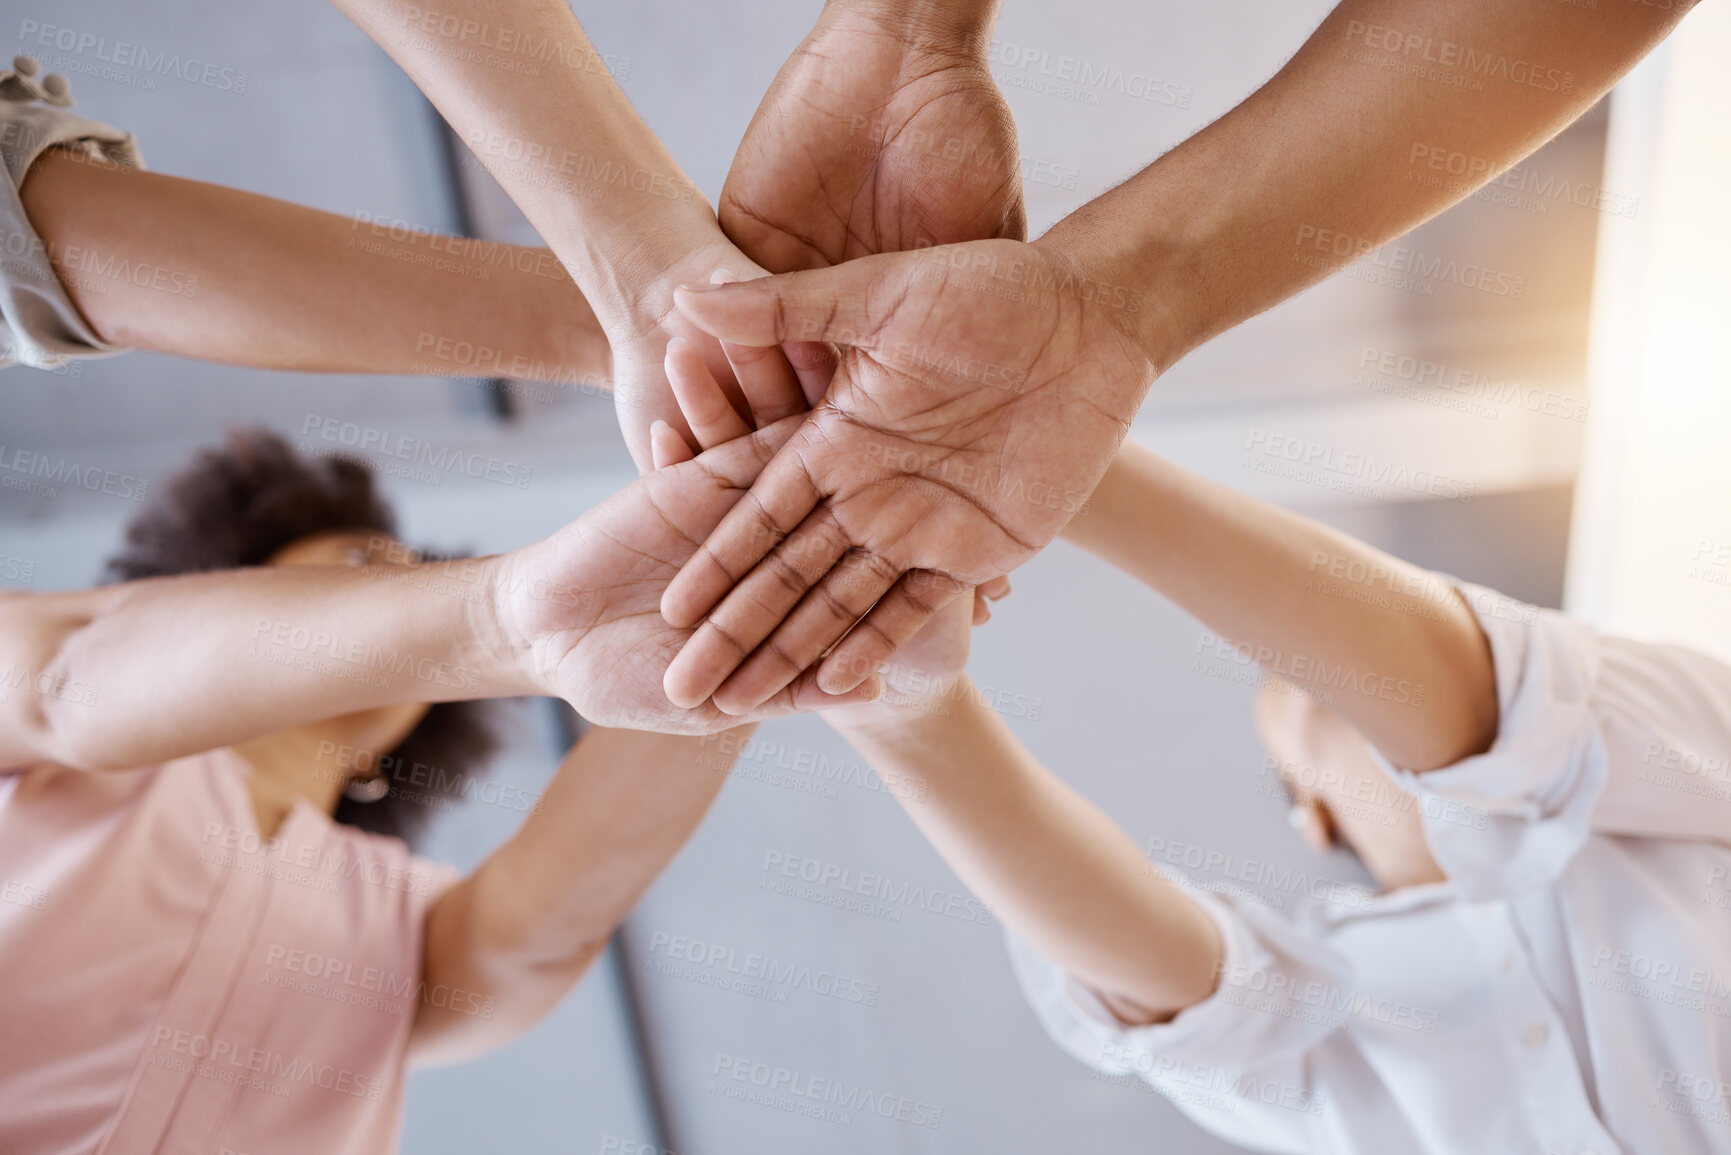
{"points": [[698, 288], [722, 277]]}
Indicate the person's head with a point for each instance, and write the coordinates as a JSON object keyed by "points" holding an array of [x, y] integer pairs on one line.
{"points": [[254, 501], [1340, 795]]}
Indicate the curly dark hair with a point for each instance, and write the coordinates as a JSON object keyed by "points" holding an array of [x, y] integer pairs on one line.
{"points": [[238, 505]]}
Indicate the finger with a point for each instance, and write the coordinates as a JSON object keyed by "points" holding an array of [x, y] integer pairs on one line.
{"points": [[825, 615], [707, 410], [998, 587], [766, 375], [767, 379], [814, 363], [666, 447], [641, 399], [844, 305], [890, 625], [754, 609], [778, 502], [982, 609], [804, 696]]}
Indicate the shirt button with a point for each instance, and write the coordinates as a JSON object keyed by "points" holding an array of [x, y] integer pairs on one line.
{"points": [[1536, 1035]]}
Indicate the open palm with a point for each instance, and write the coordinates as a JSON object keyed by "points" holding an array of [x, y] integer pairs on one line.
{"points": [[585, 603], [982, 391], [872, 140]]}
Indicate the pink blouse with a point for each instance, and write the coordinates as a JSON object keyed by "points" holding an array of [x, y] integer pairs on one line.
{"points": [[173, 984]]}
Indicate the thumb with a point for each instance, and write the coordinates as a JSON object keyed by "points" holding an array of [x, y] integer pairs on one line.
{"points": [[844, 305]]}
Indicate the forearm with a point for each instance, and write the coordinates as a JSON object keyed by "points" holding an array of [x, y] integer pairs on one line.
{"points": [[524, 928], [1390, 646], [1332, 157], [1059, 873], [243, 279], [140, 673], [561, 138]]}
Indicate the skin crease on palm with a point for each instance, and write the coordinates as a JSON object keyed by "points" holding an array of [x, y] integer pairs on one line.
{"points": [[984, 455], [878, 136]]}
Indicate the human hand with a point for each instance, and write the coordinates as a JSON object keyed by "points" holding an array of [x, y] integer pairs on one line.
{"points": [[581, 608], [981, 393], [882, 132], [641, 324], [929, 664]]}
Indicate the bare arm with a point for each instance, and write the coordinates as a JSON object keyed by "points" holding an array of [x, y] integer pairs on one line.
{"points": [[1318, 167], [251, 280], [1322, 164], [525, 927], [1389, 646], [133, 674], [539, 107], [1059, 873]]}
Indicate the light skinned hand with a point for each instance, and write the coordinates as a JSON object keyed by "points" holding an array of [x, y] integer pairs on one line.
{"points": [[582, 607], [981, 393]]}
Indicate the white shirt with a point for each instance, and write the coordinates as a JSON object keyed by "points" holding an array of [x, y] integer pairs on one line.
{"points": [[1567, 991]]}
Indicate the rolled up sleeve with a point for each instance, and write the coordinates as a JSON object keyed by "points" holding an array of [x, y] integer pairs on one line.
{"points": [[1508, 820], [42, 327], [1236, 1062]]}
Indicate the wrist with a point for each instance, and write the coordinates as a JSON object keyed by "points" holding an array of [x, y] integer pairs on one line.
{"points": [[506, 604], [1154, 263], [908, 703], [958, 27]]}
